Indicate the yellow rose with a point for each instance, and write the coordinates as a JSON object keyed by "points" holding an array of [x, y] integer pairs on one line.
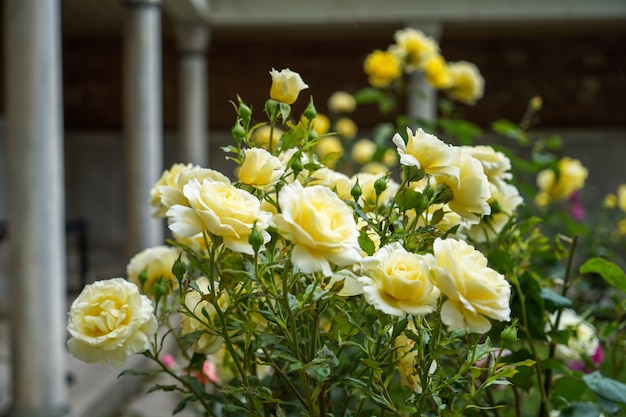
{"points": [[321, 124], [168, 191], [208, 343], [507, 199], [375, 168], [341, 102], [363, 150], [382, 67], [260, 168], [470, 189], [437, 73], [319, 225], [390, 158], [367, 183], [427, 152], [414, 47], [286, 85], [467, 83], [496, 165], [109, 321], [339, 182], [261, 136], [583, 341], [474, 291], [406, 355], [222, 210], [329, 150], [621, 197], [157, 263], [397, 282], [571, 178], [346, 128]]}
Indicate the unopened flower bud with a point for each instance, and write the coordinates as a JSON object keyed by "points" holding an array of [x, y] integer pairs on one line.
{"points": [[310, 112], [380, 185], [255, 240], [356, 191]]}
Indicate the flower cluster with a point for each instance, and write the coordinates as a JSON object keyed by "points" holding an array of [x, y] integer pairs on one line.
{"points": [[296, 289], [415, 52]]}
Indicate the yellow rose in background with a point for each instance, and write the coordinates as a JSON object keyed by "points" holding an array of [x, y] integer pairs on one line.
{"points": [[467, 84], [320, 226], [157, 263], [286, 85], [571, 178], [375, 168], [208, 343], [621, 197], [346, 128], [382, 67], [341, 102], [470, 189], [583, 341], [474, 291], [367, 183], [261, 136], [437, 73], [496, 165], [168, 191], [260, 168], [390, 158], [414, 48], [426, 152], [221, 209], [397, 282], [406, 355], [321, 124], [337, 181], [363, 151], [329, 149], [109, 321]]}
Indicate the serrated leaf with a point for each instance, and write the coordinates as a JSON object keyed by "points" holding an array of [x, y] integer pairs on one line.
{"points": [[160, 387], [189, 339], [135, 372]]}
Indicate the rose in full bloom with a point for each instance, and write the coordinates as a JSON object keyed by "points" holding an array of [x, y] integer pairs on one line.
{"points": [[169, 188], [286, 85], [382, 67], [346, 128], [157, 263], [583, 339], [505, 199], [168, 191], [109, 321], [571, 178], [426, 152], [474, 291], [437, 73], [414, 48], [320, 226], [397, 282], [261, 136], [222, 210], [470, 189], [363, 151], [467, 84], [208, 343], [341, 102], [496, 165], [260, 168]]}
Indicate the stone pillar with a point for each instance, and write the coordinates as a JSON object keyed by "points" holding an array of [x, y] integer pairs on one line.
{"points": [[192, 39], [36, 225], [143, 126], [422, 99]]}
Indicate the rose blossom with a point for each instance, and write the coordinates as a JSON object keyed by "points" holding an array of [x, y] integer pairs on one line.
{"points": [[496, 165], [221, 209], [208, 343], [467, 84], [319, 225], [397, 282], [109, 321], [157, 263], [426, 152], [473, 290], [582, 341], [260, 168], [286, 85]]}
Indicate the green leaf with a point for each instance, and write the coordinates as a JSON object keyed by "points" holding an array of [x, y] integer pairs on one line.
{"points": [[510, 130], [135, 372], [159, 387], [180, 406], [553, 300], [611, 273], [607, 388], [366, 243], [189, 339], [581, 409]]}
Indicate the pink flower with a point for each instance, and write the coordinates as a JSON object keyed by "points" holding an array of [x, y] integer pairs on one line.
{"points": [[597, 358], [168, 360], [577, 210]]}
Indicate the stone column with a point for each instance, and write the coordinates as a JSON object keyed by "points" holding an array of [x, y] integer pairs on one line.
{"points": [[192, 39], [143, 126], [422, 99], [36, 212]]}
